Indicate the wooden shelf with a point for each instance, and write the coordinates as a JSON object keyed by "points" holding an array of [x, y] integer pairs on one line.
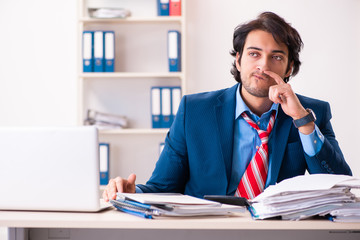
{"points": [[163, 19], [134, 131], [132, 75]]}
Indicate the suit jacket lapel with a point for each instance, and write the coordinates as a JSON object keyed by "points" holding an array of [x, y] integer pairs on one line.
{"points": [[277, 145], [225, 116]]}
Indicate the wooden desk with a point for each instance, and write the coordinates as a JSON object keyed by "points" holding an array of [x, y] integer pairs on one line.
{"points": [[111, 222]]}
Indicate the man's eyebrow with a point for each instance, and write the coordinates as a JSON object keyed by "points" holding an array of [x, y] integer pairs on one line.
{"points": [[273, 51]]}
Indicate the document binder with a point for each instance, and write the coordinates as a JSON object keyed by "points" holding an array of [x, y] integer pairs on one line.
{"points": [[88, 54], [175, 8], [104, 163], [98, 51], [163, 7], [156, 107], [109, 50], [175, 101], [174, 51], [166, 107]]}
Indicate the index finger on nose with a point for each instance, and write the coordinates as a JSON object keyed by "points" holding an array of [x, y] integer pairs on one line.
{"points": [[274, 76]]}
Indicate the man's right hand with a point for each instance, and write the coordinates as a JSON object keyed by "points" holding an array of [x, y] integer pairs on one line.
{"points": [[119, 184]]}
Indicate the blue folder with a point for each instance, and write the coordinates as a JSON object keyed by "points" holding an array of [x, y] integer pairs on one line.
{"points": [[163, 7], [156, 107], [109, 50], [99, 51], [174, 51], [104, 153], [88, 51]]}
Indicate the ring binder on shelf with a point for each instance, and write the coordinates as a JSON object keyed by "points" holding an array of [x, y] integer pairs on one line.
{"points": [[174, 51], [163, 7], [109, 50], [98, 51], [87, 51], [156, 107], [104, 163]]}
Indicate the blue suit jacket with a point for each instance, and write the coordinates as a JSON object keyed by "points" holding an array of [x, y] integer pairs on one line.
{"points": [[197, 156]]}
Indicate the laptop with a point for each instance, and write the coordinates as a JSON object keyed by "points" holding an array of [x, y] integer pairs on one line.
{"points": [[49, 169]]}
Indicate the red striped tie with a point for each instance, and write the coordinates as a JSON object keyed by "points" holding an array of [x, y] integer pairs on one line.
{"points": [[253, 181]]}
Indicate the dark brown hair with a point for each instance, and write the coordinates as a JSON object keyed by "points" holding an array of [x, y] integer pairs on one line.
{"points": [[281, 31]]}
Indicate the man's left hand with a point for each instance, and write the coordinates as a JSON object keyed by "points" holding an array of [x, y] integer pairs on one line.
{"points": [[283, 94]]}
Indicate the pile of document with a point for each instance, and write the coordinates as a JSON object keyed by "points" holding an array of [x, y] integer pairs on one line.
{"points": [[309, 195], [109, 12], [105, 120], [150, 205]]}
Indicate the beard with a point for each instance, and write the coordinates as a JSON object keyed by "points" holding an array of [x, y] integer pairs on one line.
{"points": [[257, 91]]}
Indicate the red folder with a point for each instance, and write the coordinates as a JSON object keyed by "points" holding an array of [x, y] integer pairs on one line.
{"points": [[175, 8]]}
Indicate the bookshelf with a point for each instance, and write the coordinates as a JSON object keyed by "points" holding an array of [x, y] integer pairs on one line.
{"points": [[140, 63]]}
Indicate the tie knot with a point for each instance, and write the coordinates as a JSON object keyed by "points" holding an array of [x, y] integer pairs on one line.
{"points": [[263, 134]]}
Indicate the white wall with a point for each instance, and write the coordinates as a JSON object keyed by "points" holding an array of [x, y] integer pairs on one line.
{"points": [[38, 87], [38, 49]]}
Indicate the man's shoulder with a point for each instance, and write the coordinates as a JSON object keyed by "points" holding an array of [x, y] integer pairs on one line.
{"points": [[318, 106], [308, 101], [211, 96]]}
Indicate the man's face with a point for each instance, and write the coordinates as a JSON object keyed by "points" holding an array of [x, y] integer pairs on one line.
{"points": [[261, 53]]}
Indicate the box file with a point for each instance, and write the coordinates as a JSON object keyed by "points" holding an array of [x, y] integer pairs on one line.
{"points": [[175, 101], [156, 107], [98, 51], [174, 51], [163, 7], [166, 107], [175, 8], [109, 50], [87, 51], [104, 151]]}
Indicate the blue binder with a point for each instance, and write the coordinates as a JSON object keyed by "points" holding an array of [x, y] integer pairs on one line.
{"points": [[98, 51], [174, 51], [175, 101], [166, 107], [88, 51], [109, 49], [163, 7], [156, 107], [104, 151]]}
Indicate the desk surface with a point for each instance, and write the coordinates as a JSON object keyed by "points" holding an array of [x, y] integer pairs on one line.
{"points": [[117, 220]]}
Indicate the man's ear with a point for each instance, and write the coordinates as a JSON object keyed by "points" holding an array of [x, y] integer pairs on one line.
{"points": [[237, 61], [290, 70]]}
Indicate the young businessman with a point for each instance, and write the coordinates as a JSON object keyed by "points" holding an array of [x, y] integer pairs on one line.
{"points": [[214, 147]]}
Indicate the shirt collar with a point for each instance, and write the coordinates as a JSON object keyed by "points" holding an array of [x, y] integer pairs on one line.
{"points": [[242, 107]]}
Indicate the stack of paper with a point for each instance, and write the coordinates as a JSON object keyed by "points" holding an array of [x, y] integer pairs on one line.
{"points": [[109, 12], [105, 120], [149, 205], [305, 196], [349, 212]]}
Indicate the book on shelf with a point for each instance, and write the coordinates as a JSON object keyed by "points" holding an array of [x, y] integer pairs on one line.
{"points": [[105, 120]]}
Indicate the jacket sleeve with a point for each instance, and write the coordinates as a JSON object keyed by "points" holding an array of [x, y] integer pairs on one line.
{"points": [[330, 158], [172, 169]]}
